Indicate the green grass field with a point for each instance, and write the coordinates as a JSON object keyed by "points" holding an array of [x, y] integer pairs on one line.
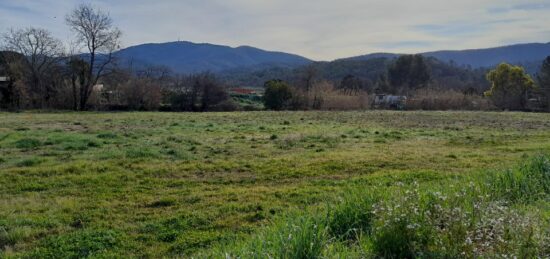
{"points": [[208, 185]]}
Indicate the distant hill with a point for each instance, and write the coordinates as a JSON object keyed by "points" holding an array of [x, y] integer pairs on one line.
{"points": [[371, 56], [188, 57], [251, 66], [477, 58]]}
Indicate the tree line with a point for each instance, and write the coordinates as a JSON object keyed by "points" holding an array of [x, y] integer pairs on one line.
{"points": [[428, 84], [37, 71]]}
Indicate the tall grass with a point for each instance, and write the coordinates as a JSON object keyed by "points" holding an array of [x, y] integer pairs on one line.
{"points": [[302, 236], [352, 216], [528, 183], [479, 218]]}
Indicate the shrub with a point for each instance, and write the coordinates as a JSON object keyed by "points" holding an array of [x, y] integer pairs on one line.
{"points": [[141, 94], [224, 106], [277, 95]]}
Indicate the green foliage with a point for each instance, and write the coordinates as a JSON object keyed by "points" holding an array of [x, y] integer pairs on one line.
{"points": [[352, 216], [509, 85], [296, 237], [28, 143], [528, 183], [277, 95], [78, 244], [544, 81], [410, 71], [29, 162], [544, 74]]}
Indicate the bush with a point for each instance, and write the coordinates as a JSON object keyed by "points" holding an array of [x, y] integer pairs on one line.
{"points": [[277, 95], [225, 106], [199, 93], [141, 94]]}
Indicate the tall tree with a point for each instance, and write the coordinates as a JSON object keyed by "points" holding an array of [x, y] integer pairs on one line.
{"points": [[94, 29], [77, 70], [11, 66], [509, 86], [409, 71], [308, 76], [350, 84], [544, 80], [42, 52]]}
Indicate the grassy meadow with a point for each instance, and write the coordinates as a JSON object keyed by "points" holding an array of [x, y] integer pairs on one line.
{"points": [[274, 184]]}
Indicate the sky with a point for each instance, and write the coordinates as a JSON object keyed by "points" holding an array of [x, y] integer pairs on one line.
{"points": [[317, 29]]}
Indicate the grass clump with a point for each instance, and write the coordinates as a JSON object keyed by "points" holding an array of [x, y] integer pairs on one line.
{"points": [[352, 216], [165, 202], [28, 162], [107, 135], [143, 152], [527, 183], [299, 236], [79, 244], [28, 143]]}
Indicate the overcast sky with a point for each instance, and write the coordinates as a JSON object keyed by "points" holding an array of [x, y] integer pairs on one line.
{"points": [[317, 29]]}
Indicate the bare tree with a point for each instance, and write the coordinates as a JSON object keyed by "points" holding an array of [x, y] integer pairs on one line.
{"points": [[42, 52], [308, 77], [96, 32]]}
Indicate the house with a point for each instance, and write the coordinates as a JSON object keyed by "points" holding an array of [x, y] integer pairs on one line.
{"points": [[383, 101]]}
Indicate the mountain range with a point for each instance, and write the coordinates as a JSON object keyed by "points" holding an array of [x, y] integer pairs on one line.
{"points": [[188, 57], [478, 58]]}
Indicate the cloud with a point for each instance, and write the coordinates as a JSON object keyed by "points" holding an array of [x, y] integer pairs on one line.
{"points": [[319, 29], [537, 6]]}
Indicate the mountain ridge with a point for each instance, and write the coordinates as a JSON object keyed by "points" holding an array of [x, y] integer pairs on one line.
{"points": [[483, 57], [189, 57]]}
